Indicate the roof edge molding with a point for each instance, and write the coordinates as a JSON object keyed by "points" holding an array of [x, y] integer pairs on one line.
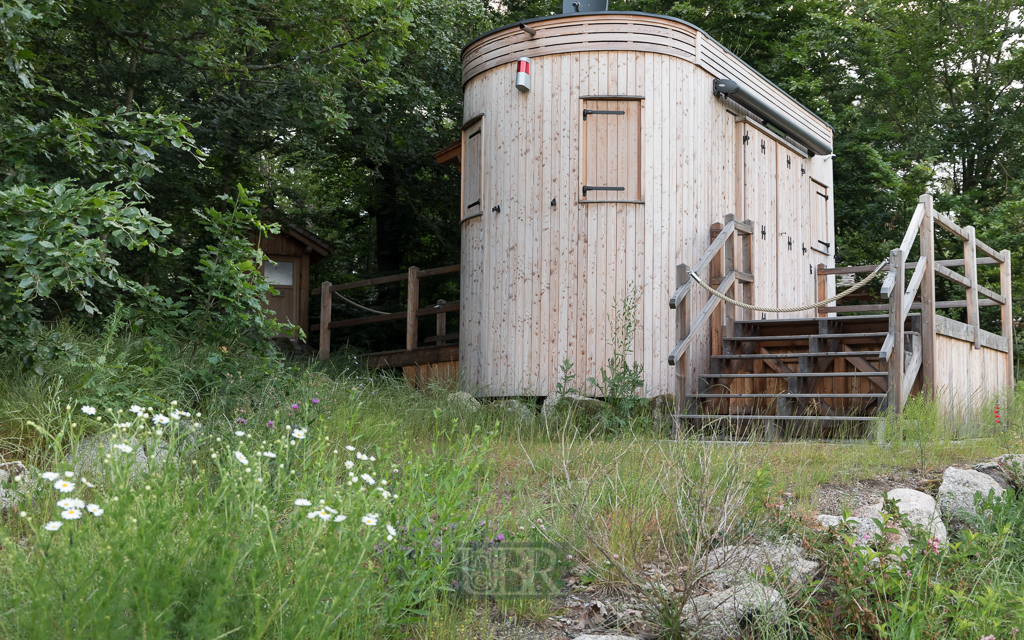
{"points": [[629, 31], [750, 100]]}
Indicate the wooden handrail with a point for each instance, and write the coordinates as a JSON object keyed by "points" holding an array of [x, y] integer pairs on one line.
{"points": [[702, 318], [398, 277], [915, 284], [868, 268], [705, 260]]}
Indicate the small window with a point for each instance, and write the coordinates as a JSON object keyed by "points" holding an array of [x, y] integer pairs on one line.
{"points": [[280, 273], [472, 167], [610, 169]]}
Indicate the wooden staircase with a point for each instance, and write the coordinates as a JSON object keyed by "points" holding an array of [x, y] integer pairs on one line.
{"points": [[803, 377]]}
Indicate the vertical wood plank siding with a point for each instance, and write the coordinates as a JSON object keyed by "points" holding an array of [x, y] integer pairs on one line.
{"points": [[541, 276], [966, 377]]}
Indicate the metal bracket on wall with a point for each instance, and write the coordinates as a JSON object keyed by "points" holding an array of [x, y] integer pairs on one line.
{"points": [[553, 202], [496, 208], [587, 112], [804, 246], [762, 146], [789, 162], [472, 204], [790, 243], [586, 189], [746, 138], [764, 233]]}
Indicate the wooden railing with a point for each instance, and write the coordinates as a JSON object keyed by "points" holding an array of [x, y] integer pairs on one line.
{"points": [[901, 295], [726, 276], [411, 314]]}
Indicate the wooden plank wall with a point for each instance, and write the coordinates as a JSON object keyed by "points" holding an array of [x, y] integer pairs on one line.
{"points": [[540, 279], [965, 376]]}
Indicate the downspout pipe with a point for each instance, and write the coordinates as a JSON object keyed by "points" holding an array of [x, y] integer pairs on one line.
{"points": [[750, 100]]}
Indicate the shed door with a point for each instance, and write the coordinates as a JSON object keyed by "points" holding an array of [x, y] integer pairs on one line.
{"points": [[795, 283], [821, 241], [610, 150], [283, 277], [760, 206]]}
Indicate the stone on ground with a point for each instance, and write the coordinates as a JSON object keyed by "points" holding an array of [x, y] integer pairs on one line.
{"points": [[11, 495], [957, 492], [517, 408], [735, 612], [995, 471], [920, 508], [87, 460], [730, 566], [593, 637], [572, 402], [464, 400], [863, 527]]}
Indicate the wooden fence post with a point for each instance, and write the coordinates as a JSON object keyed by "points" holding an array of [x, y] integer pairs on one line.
{"points": [[928, 296], [412, 337], [729, 264], [682, 330], [1007, 316], [971, 272], [822, 290], [325, 321], [442, 324], [896, 259]]}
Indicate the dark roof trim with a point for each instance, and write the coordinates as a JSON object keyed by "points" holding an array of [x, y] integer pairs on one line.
{"points": [[640, 13], [310, 238]]}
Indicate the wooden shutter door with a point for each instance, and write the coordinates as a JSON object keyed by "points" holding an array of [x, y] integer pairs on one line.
{"points": [[610, 151], [793, 277], [472, 168]]}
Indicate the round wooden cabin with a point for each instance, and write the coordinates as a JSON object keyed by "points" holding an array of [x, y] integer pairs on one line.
{"points": [[607, 173]]}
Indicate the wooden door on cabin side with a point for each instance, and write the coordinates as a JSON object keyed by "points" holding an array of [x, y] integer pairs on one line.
{"points": [[821, 241], [792, 238], [284, 275], [760, 205]]}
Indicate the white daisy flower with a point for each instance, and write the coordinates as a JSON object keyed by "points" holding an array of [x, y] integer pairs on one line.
{"points": [[384, 492], [339, 518], [94, 509], [88, 484], [136, 409], [350, 447], [71, 514], [53, 526], [64, 486], [302, 502], [160, 419], [391, 532], [368, 479], [50, 476], [89, 411], [69, 474], [240, 434], [349, 464], [241, 458], [361, 455], [71, 503], [268, 454], [372, 459], [320, 513], [326, 508], [370, 519], [299, 434], [123, 448], [176, 415]]}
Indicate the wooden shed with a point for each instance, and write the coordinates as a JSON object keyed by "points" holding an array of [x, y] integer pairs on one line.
{"points": [[637, 133], [289, 256]]}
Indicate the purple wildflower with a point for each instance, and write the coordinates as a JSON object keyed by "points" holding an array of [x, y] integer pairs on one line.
{"points": [[295, 407], [315, 401], [270, 424]]}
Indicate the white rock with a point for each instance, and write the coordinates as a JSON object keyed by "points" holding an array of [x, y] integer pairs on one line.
{"points": [[87, 459], [734, 612], [863, 526], [995, 471], [521, 412], [921, 509], [464, 400], [734, 565], [555, 402], [958, 489]]}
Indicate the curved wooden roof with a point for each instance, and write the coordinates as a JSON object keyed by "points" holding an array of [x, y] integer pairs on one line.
{"points": [[627, 31]]}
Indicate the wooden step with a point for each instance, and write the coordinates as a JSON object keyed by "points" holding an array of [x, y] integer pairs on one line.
{"points": [[756, 416], [813, 354], [814, 321], [822, 336], [865, 396], [841, 374]]}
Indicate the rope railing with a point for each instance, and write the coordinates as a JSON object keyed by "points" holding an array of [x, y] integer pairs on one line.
{"points": [[822, 303]]}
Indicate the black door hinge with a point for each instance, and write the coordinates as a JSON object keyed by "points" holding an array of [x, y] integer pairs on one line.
{"points": [[496, 208], [823, 195], [789, 162], [789, 243], [762, 146], [587, 112], [746, 138], [804, 247], [803, 170], [810, 269]]}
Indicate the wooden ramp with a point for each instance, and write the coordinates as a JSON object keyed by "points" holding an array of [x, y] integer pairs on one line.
{"points": [[836, 375]]}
